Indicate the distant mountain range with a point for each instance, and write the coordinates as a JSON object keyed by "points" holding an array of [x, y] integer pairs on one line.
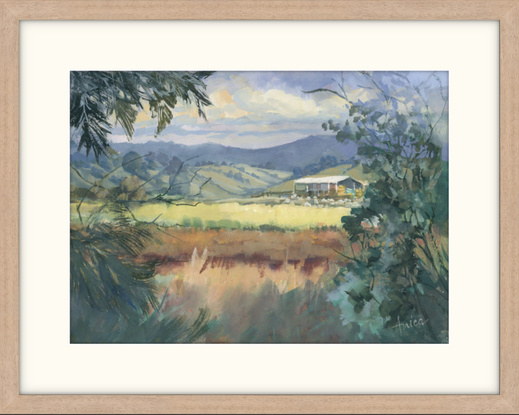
{"points": [[285, 157], [233, 172]]}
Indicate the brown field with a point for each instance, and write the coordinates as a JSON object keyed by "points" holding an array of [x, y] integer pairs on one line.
{"points": [[259, 286]]}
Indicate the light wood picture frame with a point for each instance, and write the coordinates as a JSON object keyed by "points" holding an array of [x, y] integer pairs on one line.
{"points": [[12, 12]]}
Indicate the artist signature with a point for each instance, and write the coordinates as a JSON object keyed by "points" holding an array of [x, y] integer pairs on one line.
{"points": [[409, 325]]}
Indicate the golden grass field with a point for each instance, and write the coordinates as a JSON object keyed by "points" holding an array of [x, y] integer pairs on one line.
{"points": [[225, 214]]}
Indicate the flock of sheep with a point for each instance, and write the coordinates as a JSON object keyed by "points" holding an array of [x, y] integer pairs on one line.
{"points": [[315, 201]]}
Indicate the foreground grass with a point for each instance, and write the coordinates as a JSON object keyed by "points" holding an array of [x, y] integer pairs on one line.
{"points": [[260, 287], [214, 286]]}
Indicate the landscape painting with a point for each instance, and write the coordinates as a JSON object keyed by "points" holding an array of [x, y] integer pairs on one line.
{"points": [[259, 207]]}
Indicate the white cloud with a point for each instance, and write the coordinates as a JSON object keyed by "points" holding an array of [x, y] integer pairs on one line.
{"points": [[244, 116]]}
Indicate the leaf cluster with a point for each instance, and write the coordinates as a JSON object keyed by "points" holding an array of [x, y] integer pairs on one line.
{"points": [[103, 271], [98, 97], [393, 238]]}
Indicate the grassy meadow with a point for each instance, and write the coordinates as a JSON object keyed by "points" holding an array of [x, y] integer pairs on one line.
{"points": [[257, 273], [232, 215], [259, 286]]}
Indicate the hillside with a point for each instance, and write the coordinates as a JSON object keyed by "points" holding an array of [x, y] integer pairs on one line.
{"points": [[225, 181], [235, 181]]}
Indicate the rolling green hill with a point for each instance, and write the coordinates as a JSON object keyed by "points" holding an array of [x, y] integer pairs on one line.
{"points": [[239, 180]]}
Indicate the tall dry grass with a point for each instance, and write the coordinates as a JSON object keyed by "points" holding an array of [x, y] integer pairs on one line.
{"points": [[259, 286]]}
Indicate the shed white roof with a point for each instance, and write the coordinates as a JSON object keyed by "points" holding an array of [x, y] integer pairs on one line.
{"points": [[328, 179]]}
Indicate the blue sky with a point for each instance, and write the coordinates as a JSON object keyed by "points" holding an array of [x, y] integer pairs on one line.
{"points": [[261, 109]]}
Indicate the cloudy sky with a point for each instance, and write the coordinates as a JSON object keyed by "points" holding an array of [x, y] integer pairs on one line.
{"points": [[257, 109]]}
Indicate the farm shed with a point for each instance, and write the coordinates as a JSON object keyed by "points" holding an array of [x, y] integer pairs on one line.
{"points": [[327, 186]]}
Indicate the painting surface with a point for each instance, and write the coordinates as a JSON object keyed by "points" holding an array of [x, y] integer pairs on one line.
{"points": [[259, 207]]}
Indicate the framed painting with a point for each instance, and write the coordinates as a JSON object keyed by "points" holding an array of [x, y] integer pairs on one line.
{"points": [[229, 206], [277, 209]]}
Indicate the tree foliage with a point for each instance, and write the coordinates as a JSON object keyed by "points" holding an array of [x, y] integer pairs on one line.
{"points": [[98, 97], [113, 296], [397, 258], [104, 274]]}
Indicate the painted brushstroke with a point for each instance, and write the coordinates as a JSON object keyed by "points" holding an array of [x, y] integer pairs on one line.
{"points": [[259, 207]]}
